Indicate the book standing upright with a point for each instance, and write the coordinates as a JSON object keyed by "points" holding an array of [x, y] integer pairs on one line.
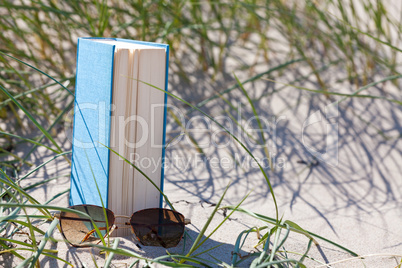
{"points": [[116, 107]]}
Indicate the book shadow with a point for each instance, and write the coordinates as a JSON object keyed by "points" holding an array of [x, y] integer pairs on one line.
{"points": [[210, 251]]}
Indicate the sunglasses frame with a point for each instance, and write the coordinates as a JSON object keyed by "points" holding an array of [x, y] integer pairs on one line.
{"points": [[115, 225]]}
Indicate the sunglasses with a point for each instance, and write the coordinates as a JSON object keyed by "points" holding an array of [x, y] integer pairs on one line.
{"points": [[152, 227]]}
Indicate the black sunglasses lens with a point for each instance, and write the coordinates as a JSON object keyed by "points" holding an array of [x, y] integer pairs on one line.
{"points": [[158, 227], [79, 231]]}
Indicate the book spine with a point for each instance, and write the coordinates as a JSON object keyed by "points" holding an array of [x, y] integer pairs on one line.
{"points": [[92, 116]]}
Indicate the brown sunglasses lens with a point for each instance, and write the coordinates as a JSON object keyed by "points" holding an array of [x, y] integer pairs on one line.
{"points": [[158, 227], [79, 231]]}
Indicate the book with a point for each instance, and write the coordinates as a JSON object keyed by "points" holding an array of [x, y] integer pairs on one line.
{"points": [[116, 107]]}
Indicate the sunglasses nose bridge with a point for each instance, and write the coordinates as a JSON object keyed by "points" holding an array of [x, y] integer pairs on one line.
{"points": [[124, 222], [122, 216], [131, 226], [121, 219]]}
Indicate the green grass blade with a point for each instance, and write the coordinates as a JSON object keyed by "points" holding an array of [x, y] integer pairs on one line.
{"points": [[43, 164], [66, 191], [264, 142], [42, 244], [13, 214], [223, 221], [33, 120], [305, 253], [109, 259], [373, 84], [15, 217], [32, 186], [197, 243], [28, 140], [354, 94], [25, 93], [367, 34], [24, 264], [56, 121], [36, 69], [25, 224]]}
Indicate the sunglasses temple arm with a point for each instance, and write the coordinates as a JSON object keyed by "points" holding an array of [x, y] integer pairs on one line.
{"points": [[94, 230], [187, 221]]}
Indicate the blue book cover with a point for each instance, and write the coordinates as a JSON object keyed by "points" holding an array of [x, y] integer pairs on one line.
{"points": [[92, 120]]}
